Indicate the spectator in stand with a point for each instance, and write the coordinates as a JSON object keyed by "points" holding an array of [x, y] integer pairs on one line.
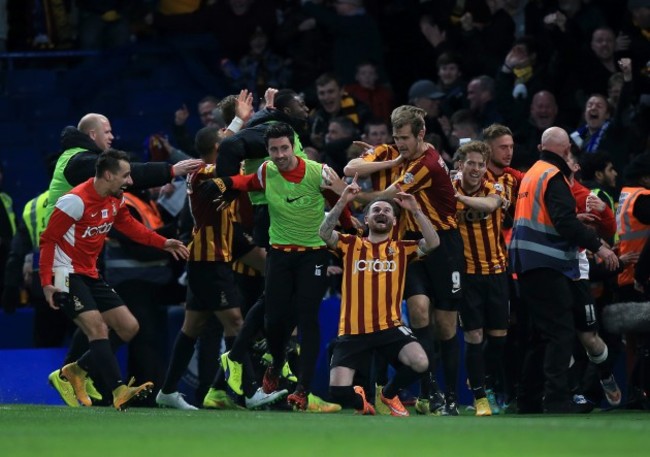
{"points": [[425, 94], [486, 35], [450, 76], [368, 90], [341, 132], [522, 74], [463, 125], [305, 42], [334, 102], [181, 137], [261, 68], [543, 114], [355, 35], [601, 131], [635, 31], [103, 24], [377, 132], [481, 99], [239, 18], [598, 62]]}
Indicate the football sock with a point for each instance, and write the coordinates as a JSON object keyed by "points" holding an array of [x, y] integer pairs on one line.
{"points": [[425, 338], [475, 368], [106, 363], [180, 359], [404, 377], [346, 397], [449, 352]]}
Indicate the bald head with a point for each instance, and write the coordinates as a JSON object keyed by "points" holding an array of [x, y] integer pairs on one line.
{"points": [[555, 139], [91, 121], [98, 128]]}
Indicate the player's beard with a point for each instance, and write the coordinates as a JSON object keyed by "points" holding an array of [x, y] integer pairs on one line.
{"points": [[382, 229]]}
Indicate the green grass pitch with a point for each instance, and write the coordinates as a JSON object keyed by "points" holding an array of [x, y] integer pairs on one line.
{"points": [[45, 431]]}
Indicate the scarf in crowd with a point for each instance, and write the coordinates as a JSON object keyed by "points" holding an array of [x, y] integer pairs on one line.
{"points": [[594, 139]]}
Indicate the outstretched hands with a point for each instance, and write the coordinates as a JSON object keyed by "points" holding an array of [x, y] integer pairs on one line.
{"points": [[177, 249]]}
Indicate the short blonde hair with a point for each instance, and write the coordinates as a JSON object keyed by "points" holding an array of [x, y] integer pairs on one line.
{"points": [[408, 115]]}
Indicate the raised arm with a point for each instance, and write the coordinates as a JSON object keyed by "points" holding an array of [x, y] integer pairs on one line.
{"points": [[326, 231], [370, 161], [362, 167], [485, 204], [430, 239]]}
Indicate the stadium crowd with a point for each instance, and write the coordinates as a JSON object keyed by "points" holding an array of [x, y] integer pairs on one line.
{"points": [[498, 185]]}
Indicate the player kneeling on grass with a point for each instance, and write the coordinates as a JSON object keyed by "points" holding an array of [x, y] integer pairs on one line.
{"points": [[374, 269], [70, 246]]}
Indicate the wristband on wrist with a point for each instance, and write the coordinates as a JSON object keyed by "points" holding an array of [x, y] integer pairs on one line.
{"points": [[236, 125]]}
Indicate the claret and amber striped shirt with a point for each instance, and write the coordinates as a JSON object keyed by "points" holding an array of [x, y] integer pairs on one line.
{"points": [[383, 178], [427, 178], [484, 249], [373, 283], [213, 230]]}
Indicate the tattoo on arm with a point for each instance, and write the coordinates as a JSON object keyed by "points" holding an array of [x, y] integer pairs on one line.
{"points": [[327, 232]]}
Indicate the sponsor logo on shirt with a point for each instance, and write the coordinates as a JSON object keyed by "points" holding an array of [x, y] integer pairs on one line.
{"points": [[99, 230], [377, 266]]}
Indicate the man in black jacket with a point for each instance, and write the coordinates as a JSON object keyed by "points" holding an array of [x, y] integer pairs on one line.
{"points": [[544, 255], [248, 146], [80, 147]]}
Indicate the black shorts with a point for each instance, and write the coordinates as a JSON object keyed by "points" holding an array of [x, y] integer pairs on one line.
{"points": [[262, 222], [89, 294], [354, 351], [485, 302], [584, 308], [440, 274], [242, 243], [211, 287]]}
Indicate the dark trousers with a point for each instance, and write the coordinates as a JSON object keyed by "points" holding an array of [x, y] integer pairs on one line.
{"points": [[295, 285], [548, 298]]}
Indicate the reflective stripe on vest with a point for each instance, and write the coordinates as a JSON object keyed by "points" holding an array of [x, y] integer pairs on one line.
{"points": [[535, 241], [631, 232], [7, 202], [34, 217]]}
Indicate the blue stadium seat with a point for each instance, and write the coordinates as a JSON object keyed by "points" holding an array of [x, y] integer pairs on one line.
{"points": [[51, 106], [131, 132], [30, 81], [6, 109], [25, 173], [154, 103], [13, 133], [49, 133]]}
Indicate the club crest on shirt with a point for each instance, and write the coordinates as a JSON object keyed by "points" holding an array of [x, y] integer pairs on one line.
{"points": [[104, 213], [498, 186], [391, 251], [408, 178], [114, 209]]}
